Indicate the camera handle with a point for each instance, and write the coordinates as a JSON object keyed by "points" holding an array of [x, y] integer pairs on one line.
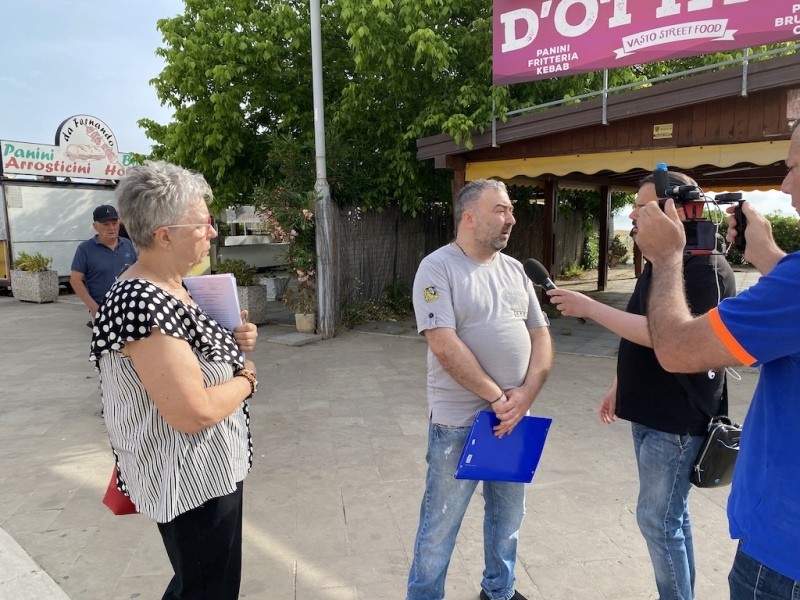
{"points": [[741, 223]]}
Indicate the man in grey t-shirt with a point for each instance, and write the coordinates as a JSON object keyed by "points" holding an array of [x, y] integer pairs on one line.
{"points": [[488, 349]]}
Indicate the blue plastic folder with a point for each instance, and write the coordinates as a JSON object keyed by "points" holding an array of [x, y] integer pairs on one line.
{"points": [[513, 457]]}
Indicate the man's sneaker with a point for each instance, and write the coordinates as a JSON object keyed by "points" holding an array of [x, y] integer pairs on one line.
{"points": [[516, 596]]}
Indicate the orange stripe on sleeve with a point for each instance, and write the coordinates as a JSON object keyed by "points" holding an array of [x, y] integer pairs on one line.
{"points": [[742, 355]]}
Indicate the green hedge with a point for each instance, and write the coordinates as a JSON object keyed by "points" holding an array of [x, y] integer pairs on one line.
{"points": [[784, 230]]}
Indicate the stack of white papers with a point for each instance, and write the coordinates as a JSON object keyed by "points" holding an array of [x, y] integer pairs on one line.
{"points": [[217, 296]]}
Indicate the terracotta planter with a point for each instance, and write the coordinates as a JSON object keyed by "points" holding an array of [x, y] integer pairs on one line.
{"points": [[305, 322], [29, 286]]}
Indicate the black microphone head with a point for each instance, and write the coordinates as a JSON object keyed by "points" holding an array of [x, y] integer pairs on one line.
{"points": [[535, 271]]}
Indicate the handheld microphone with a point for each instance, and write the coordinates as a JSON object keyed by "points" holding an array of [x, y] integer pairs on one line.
{"points": [[539, 275]]}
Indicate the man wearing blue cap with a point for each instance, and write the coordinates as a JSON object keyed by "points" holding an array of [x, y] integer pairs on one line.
{"points": [[99, 260]]}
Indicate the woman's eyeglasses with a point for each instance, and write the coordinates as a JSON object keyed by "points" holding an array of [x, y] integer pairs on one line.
{"points": [[206, 224]]}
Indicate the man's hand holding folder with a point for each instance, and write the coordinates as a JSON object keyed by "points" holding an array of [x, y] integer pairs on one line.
{"points": [[510, 408]]}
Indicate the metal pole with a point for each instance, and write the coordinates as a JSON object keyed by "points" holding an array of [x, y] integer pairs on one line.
{"points": [[323, 212]]}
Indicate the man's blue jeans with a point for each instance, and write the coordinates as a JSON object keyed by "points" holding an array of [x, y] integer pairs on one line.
{"points": [[752, 580], [662, 512], [443, 506]]}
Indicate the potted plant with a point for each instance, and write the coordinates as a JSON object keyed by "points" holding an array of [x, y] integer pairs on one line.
{"points": [[32, 280], [252, 296], [302, 300], [616, 251], [288, 215]]}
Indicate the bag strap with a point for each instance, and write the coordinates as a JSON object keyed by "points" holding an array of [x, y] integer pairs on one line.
{"points": [[691, 391]]}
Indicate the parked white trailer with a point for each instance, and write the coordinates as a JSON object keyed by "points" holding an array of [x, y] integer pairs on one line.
{"points": [[51, 217]]}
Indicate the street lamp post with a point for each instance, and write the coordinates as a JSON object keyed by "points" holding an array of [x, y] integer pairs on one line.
{"points": [[323, 213]]}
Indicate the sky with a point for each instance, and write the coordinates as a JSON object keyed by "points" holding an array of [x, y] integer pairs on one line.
{"points": [[766, 203], [70, 57], [96, 57]]}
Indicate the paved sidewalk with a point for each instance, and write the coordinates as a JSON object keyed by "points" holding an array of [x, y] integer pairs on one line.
{"points": [[332, 503]]}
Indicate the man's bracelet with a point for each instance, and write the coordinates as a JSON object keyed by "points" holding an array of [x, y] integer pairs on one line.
{"points": [[251, 378], [499, 398]]}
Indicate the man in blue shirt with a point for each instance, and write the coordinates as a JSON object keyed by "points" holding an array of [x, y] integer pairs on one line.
{"points": [[99, 260], [760, 326]]}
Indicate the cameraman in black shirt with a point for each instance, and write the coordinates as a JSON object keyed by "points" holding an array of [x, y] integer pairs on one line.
{"points": [[668, 428]]}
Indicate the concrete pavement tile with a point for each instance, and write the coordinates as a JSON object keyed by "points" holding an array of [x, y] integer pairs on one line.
{"points": [[97, 575], [395, 457], [11, 502], [347, 592], [145, 586], [149, 556], [353, 476], [36, 585], [564, 582], [20, 577], [278, 520], [343, 405], [358, 570], [353, 452], [314, 541], [586, 546], [415, 425], [32, 521], [461, 586], [713, 590], [380, 414], [59, 540], [268, 571], [386, 590], [315, 404], [57, 563], [371, 528], [624, 578], [560, 512]]}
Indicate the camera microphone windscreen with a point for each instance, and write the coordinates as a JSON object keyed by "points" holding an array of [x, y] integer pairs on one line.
{"points": [[661, 180], [539, 275]]}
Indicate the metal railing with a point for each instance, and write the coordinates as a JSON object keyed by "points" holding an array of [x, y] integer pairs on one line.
{"points": [[744, 60]]}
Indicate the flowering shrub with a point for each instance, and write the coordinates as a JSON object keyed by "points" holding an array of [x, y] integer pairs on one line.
{"points": [[287, 215]]}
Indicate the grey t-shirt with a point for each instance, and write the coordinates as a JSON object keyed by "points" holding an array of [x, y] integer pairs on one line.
{"points": [[491, 308]]}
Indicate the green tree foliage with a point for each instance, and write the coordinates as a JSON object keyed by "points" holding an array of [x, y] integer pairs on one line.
{"points": [[237, 72], [238, 78]]}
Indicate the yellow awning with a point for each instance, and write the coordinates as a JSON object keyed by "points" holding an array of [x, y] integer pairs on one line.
{"points": [[759, 153]]}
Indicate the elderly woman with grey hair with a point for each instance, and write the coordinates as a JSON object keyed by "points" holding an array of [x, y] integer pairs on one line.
{"points": [[176, 385]]}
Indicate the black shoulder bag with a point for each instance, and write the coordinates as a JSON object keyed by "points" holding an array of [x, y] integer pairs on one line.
{"points": [[714, 464]]}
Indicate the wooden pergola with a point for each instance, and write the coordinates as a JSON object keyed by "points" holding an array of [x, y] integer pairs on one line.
{"points": [[729, 130]]}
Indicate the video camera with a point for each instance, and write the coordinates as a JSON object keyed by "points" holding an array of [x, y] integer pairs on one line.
{"points": [[701, 232]]}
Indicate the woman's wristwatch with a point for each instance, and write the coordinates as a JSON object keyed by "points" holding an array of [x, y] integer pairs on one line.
{"points": [[250, 376]]}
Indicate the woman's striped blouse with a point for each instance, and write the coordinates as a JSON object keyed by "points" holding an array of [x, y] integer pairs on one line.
{"points": [[164, 471]]}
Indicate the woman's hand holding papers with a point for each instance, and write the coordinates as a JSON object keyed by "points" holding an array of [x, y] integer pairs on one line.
{"points": [[245, 334]]}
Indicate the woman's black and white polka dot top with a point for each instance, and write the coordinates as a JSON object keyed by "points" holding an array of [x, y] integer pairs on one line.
{"points": [[165, 471]]}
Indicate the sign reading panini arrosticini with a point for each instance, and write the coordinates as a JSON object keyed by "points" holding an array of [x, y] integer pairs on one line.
{"points": [[535, 39], [85, 148]]}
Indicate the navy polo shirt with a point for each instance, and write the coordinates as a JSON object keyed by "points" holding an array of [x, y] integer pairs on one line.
{"points": [[101, 265]]}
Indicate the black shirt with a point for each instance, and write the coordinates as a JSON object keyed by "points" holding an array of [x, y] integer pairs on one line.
{"points": [[653, 397]]}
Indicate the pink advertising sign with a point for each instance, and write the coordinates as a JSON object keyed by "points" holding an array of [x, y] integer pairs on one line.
{"points": [[538, 39]]}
